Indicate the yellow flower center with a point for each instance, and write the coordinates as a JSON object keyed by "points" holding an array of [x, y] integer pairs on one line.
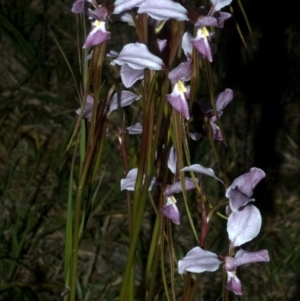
{"points": [[181, 87], [205, 32]]}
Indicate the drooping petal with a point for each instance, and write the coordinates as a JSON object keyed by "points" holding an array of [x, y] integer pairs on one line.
{"points": [[182, 72], [223, 99], [204, 170], [88, 109], [187, 46], [243, 257], [97, 35], [176, 187], [135, 129], [233, 283], [178, 100], [129, 75], [122, 99], [170, 210], [201, 43], [242, 187], [137, 56], [198, 260], [163, 10], [122, 5], [243, 225], [219, 4], [129, 182], [172, 160]]}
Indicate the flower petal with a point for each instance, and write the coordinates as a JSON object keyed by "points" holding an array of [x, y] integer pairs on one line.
{"points": [[122, 5], [129, 182], [97, 35], [172, 160], [243, 225], [182, 72], [137, 56], [219, 4], [177, 99], [187, 46], [243, 257], [204, 170], [88, 109], [129, 75], [201, 43], [223, 99], [170, 210], [163, 10], [176, 187], [122, 99], [135, 129], [233, 283], [198, 260], [242, 187]]}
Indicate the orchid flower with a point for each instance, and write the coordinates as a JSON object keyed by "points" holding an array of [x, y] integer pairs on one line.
{"points": [[100, 15], [223, 99], [214, 18], [243, 225], [178, 99], [198, 260]]}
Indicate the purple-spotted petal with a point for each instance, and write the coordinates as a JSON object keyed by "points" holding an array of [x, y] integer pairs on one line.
{"points": [[176, 187], [182, 72], [129, 182], [233, 283], [88, 109], [122, 5], [163, 10], [129, 75], [135, 129], [243, 257], [223, 99], [204, 170], [97, 35], [243, 225], [198, 260], [170, 210], [219, 4], [137, 56], [178, 99], [122, 99], [201, 43]]}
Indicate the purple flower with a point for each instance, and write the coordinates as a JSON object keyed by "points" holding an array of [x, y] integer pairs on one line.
{"points": [[202, 41], [198, 260]]}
